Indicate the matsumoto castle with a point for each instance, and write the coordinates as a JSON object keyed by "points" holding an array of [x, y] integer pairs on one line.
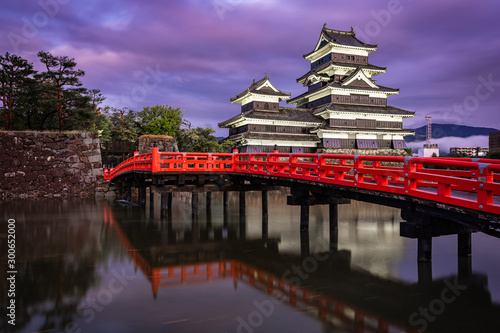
{"points": [[343, 110]]}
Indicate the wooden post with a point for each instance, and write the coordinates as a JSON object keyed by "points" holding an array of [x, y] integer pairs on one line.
{"points": [[226, 198], [226, 209], [425, 248], [334, 228], [243, 226], [129, 193], [425, 273], [164, 205], [464, 244], [209, 209], [169, 202], [194, 205], [151, 198], [464, 266], [464, 254], [142, 196], [265, 204], [304, 244], [242, 203], [304, 218], [120, 191], [265, 215], [209, 202]]}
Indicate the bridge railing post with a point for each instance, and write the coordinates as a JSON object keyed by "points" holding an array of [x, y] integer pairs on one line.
{"points": [[155, 160], [410, 183], [485, 177]]}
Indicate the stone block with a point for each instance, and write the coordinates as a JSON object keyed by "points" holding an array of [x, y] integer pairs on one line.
{"points": [[31, 177], [57, 172], [90, 179], [13, 153], [56, 145], [87, 141], [78, 166], [95, 158], [97, 172]]}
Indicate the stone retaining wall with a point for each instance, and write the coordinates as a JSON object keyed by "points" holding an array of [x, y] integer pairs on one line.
{"points": [[50, 165]]}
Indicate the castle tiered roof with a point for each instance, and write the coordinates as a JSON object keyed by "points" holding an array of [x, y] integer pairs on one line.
{"points": [[263, 87], [339, 38], [343, 107]]}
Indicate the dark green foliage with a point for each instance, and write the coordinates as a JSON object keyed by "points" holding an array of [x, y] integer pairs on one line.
{"points": [[160, 120], [123, 124], [493, 155], [50, 100], [201, 140], [16, 83]]}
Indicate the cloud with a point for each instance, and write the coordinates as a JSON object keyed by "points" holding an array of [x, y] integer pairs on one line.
{"points": [[430, 54], [446, 143]]}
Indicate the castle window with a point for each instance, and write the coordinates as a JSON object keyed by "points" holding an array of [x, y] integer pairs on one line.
{"points": [[266, 106]]}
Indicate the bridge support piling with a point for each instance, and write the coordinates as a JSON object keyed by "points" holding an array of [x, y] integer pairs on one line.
{"points": [[304, 244], [304, 217], [464, 241], [425, 273], [225, 208], [265, 204], [334, 228], [169, 202], [164, 205], [208, 201], [265, 215], [120, 191], [151, 198], [129, 193], [242, 203], [464, 266], [243, 226], [194, 205], [226, 199], [424, 248], [209, 209], [142, 196]]}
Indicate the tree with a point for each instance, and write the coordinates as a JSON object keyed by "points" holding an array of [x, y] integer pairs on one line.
{"points": [[495, 154], [15, 76], [160, 120], [61, 77], [96, 98], [123, 123], [201, 140]]}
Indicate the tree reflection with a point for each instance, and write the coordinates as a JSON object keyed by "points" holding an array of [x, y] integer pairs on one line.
{"points": [[57, 245]]}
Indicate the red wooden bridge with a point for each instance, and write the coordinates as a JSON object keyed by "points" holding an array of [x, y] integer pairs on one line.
{"points": [[473, 184]]}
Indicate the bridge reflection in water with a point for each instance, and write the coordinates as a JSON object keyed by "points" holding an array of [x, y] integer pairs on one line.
{"points": [[322, 283]]}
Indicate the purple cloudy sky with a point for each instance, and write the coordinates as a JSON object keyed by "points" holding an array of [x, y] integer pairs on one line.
{"points": [[441, 54]]}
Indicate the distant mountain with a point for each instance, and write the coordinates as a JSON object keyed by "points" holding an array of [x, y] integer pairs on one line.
{"points": [[444, 130]]}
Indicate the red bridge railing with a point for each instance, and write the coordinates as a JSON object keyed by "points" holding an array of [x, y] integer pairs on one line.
{"points": [[468, 183]]}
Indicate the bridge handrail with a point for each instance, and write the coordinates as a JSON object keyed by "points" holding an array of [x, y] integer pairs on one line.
{"points": [[437, 179]]}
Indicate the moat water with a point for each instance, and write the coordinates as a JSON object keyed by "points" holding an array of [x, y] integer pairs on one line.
{"points": [[102, 266]]}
